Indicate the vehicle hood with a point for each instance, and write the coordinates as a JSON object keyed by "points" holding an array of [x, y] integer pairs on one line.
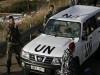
{"points": [[47, 45]]}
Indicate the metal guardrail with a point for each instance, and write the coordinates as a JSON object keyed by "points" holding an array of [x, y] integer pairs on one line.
{"points": [[30, 30], [3, 48], [25, 34]]}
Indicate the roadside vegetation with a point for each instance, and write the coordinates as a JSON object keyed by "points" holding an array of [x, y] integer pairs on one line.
{"points": [[34, 14], [38, 15]]}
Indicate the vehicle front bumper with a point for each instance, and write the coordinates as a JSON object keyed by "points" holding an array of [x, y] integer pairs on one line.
{"points": [[49, 69]]}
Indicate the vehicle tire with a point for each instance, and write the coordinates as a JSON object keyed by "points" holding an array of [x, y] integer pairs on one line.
{"points": [[98, 53], [26, 72]]}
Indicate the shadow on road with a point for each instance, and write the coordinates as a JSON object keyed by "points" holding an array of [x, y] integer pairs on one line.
{"points": [[5, 64], [14, 73]]}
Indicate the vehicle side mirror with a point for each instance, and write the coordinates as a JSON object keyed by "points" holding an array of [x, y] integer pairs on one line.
{"points": [[41, 30], [84, 36]]}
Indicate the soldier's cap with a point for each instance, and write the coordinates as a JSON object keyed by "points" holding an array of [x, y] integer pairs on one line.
{"points": [[10, 17]]}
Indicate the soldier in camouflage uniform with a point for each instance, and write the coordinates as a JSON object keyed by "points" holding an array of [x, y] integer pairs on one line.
{"points": [[68, 63], [13, 42], [49, 14]]}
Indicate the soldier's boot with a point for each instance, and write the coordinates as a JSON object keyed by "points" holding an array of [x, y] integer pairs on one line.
{"points": [[8, 70], [8, 66]]}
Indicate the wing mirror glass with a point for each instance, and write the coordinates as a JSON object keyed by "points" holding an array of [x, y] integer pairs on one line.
{"points": [[84, 34]]}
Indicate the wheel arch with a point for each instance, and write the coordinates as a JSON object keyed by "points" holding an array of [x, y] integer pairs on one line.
{"points": [[77, 59]]}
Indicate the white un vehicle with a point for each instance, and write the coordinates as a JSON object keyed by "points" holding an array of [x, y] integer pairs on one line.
{"points": [[78, 24]]}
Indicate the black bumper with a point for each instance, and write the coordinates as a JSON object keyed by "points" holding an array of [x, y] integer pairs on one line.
{"points": [[49, 69]]}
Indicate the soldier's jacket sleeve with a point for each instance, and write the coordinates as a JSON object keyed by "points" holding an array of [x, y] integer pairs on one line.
{"points": [[18, 33], [19, 37], [8, 35]]}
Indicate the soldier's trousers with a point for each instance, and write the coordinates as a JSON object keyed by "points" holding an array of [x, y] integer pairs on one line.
{"points": [[13, 49]]}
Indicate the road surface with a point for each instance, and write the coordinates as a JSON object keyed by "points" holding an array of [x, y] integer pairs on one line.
{"points": [[16, 70]]}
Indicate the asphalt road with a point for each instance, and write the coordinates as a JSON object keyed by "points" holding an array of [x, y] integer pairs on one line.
{"points": [[15, 69], [90, 67]]}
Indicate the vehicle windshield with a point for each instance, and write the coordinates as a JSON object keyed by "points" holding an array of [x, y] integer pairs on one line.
{"points": [[62, 28]]}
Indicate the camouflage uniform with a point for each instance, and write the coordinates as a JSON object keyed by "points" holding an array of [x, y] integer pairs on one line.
{"points": [[68, 64], [13, 44]]}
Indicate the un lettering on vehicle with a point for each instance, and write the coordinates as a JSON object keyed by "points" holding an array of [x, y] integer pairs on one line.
{"points": [[88, 48], [44, 49]]}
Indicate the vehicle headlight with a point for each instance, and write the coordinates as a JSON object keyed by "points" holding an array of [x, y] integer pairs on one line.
{"points": [[57, 61], [25, 55]]}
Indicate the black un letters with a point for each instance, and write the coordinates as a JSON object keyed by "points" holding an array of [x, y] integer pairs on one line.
{"points": [[44, 49]]}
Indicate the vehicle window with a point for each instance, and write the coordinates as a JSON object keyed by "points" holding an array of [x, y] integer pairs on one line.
{"points": [[91, 25], [62, 28], [86, 28], [97, 16]]}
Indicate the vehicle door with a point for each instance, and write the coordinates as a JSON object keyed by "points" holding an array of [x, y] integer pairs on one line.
{"points": [[95, 30], [87, 42]]}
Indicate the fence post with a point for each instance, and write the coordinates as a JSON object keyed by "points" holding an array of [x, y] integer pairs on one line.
{"points": [[30, 33]]}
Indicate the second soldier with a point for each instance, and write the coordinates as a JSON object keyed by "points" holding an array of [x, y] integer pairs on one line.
{"points": [[13, 42]]}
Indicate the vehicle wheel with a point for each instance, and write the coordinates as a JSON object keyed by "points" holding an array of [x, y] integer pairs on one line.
{"points": [[26, 72], [98, 53]]}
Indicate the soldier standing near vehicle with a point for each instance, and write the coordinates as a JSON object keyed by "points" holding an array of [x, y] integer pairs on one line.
{"points": [[95, 2], [13, 42], [68, 63], [49, 14]]}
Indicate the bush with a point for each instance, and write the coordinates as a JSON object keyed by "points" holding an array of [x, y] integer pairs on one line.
{"points": [[18, 7]]}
